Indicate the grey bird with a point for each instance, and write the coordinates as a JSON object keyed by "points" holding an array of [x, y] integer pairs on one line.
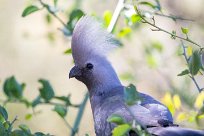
{"points": [[90, 45]]}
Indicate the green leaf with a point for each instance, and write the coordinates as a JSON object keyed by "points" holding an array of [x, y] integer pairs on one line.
{"points": [[195, 62], [184, 30], [48, 19], [29, 10], [25, 128], [3, 131], [185, 72], [3, 113], [64, 98], [148, 4], [41, 134], [121, 130], [131, 96], [12, 88], [46, 92], [55, 2], [124, 32], [73, 18], [107, 15], [135, 18], [6, 125], [158, 46], [18, 133], [61, 110], [28, 116], [173, 34], [68, 51], [115, 118], [36, 101]]}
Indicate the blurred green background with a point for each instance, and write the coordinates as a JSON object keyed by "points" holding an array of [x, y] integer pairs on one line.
{"points": [[31, 49]]}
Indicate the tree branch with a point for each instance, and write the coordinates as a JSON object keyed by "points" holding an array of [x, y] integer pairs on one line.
{"points": [[191, 76], [52, 13], [163, 30]]}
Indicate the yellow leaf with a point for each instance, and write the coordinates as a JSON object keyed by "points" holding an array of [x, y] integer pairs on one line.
{"points": [[177, 101], [199, 100], [189, 51], [181, 117], [107, 15], [167, 100]]}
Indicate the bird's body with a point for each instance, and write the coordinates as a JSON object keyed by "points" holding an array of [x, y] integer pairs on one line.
{"points": [[90, 44], [112, 102]]}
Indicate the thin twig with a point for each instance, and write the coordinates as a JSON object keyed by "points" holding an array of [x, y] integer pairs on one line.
{"points": [[15, 119], [191, 76], [163, 30], [67, 124], [52, 13], [172, 17]]}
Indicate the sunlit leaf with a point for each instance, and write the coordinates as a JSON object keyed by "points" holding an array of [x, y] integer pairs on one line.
{"points": [[189, 50], [28, 116], [151, 61], [185, 72], [131, 96], [177, 101], [199, 100], [3, 113], [29, 10], [182, 116], [46, 91], [168, 101], [68, 51], [6, 125], [135, 18], [127, 76], [121, 130], [107, 15], [115, 118], [195, 62], [124, 32], [184, 30]]}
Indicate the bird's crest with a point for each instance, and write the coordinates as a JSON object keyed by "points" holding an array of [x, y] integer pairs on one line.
{"points": [[89, 40]]}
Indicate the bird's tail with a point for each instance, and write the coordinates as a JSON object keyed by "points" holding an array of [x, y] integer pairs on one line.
{"points": [[175, 131]]}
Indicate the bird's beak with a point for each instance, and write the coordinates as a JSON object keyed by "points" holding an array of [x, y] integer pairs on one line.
{"points": [[75, 72]]}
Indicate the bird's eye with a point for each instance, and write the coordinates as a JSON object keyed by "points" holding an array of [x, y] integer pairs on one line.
{"points": [[89, 66]]}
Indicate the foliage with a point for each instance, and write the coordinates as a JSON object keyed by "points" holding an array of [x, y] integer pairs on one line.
{"points": [[134, 18]]}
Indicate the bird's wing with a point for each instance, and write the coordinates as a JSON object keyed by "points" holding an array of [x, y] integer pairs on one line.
{"points": [[157, 109]]}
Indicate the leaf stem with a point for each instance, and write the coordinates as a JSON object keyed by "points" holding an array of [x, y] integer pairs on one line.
{"points": [[52, 13], [191, 76]]}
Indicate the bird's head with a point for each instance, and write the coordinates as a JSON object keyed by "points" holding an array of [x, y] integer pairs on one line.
{"points": [[90, 44]]}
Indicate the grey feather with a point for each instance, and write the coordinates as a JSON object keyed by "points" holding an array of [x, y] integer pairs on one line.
{"points": [[90, 44]]}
